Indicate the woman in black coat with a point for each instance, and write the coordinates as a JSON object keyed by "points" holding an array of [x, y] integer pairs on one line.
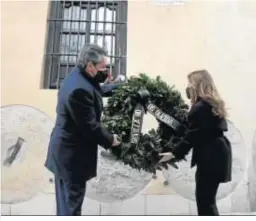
{"points": [[205, 135]]}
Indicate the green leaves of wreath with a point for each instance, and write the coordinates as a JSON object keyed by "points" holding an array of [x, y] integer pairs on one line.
{"points": [[117, 118]]}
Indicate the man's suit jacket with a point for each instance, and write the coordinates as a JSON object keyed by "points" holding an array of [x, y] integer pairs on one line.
{"points": [[72, 151], [211, 149]]}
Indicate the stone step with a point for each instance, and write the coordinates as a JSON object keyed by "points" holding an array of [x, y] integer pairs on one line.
{"points": [[240, 214]]}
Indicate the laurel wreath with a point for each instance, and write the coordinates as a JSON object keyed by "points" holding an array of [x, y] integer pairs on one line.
{"points": [[117, 118]]}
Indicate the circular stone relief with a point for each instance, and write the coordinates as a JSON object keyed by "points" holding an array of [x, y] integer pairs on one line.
{"points": [[254, 152], [115, 181], [25, 135], [252, 176], [182, 180]]}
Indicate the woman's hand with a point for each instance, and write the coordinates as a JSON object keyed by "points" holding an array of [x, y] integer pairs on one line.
{"points": [[166, 156]]}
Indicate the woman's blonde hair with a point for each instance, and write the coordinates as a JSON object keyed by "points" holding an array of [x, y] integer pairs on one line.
{"points": [[202, 85]]}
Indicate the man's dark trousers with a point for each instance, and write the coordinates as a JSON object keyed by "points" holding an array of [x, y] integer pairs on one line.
{"points": [[69, 197]]}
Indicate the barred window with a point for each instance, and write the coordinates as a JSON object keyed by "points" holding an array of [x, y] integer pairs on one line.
{"points": [[71, 24]]}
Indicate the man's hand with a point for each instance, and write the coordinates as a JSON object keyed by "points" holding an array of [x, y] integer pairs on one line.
{"points": [[119, 79], [116, 141], [166, 156]]}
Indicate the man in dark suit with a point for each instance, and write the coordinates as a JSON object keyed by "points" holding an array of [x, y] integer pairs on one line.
{"points": [[72, 152]]}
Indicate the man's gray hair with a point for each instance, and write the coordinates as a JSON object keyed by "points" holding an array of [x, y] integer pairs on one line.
{"points": [[90, 52]]}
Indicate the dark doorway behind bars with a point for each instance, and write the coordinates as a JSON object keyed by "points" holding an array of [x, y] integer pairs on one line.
{"points": [[71, 24]]}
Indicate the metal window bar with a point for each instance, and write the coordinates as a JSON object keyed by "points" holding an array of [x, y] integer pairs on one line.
{"points": [[51, 62], [70, 26]]}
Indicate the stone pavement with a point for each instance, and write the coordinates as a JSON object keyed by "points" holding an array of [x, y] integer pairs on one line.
{"points": [[44, 204]]}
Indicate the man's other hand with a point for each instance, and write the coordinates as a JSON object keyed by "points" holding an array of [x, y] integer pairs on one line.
{"points": [[116, 141]]}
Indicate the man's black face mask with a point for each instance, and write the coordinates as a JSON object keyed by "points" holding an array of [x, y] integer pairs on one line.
{"points": [[101, 76]]}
